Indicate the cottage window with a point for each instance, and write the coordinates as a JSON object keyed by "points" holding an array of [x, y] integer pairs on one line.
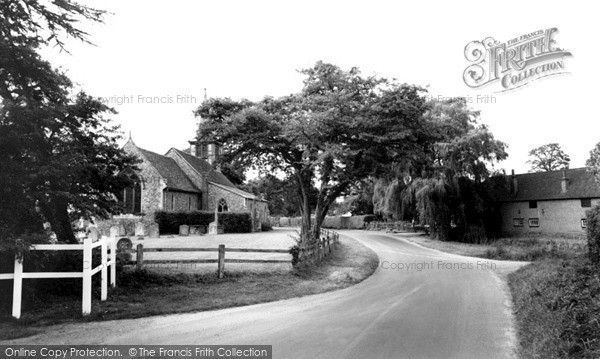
{"points": [[532, 204], [518, 222], [534, 222], [586, 202]]}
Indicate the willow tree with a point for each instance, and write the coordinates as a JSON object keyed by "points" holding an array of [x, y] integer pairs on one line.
{"points": [[341, 128], [446, 189]]}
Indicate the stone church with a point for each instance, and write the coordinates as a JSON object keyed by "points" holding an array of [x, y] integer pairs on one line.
{"points": [[179, 181]]}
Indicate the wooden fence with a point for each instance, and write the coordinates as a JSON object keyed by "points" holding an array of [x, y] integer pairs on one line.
{"points": [[317, 250], [86, 274], [400, 226], [322, 247], [140, 261]]}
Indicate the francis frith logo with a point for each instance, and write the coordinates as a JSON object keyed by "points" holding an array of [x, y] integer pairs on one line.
{"points": [[514, 63]]}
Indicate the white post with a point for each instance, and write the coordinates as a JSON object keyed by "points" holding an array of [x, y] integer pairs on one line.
{"points": [[17, 287], [86, 300], [104, 270], [113, 261]]}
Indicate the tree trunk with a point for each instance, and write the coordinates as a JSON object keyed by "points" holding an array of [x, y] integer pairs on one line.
{"points": [[56, 212], [320, 214], [305, 229]]}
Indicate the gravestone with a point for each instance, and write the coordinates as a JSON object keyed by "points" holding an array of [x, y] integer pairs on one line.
{"points": [[122, 230], [139, 229], [213, 228], [184, 230], [153, 231], [93, 234], [114, 231]]}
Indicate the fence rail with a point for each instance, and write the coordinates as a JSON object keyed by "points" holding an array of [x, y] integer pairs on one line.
{"points": [[400, 226], [140, 261], [322, 248], [86, 274]]}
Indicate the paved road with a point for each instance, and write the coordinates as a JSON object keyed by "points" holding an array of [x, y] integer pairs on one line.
{"points": [[453, 307]]}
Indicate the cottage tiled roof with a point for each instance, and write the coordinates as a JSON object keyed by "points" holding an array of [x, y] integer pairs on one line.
{"points": [[170, 171], [547, 186], [203, 167]]}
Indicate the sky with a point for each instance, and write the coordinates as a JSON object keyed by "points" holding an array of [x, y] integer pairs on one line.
{"points": [[152, 61]]}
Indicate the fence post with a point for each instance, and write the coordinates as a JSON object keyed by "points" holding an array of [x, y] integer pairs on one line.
{"points": [[139, 256], [113, 261], [221, 263], [104, 270], [17, 288], [86, 300], [329, 244], [320, 250]]}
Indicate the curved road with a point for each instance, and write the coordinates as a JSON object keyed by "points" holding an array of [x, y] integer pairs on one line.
{"points": [[420, 303]]}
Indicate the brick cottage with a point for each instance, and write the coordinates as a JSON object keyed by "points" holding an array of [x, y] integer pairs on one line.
{"points": [[180, 181], [552, 202]]}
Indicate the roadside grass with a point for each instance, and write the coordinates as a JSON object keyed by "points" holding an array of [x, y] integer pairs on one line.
{"points": [[557, 308], [156, 291], [528, 249]]}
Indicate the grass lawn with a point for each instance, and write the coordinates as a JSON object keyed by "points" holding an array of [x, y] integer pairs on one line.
{"points": [[158, 291]]}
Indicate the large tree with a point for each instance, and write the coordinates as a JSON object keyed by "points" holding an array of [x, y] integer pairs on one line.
{"points": [[448, 188], [549, 157], [280, 193], [60, 159], [593, 163], [341, 128]]}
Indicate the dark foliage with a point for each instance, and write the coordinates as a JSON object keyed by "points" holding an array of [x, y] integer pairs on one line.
{"points": [[169, 222], [593, 234]]}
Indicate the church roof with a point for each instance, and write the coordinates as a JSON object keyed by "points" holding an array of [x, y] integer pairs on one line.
{"points": [[170, 171], [214, 177], [178, 180], [547, 186], [203, 167]]}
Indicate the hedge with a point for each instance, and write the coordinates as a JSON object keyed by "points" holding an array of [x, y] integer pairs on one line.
{"points": [[169, 222], [333, 222], [593, 234]]}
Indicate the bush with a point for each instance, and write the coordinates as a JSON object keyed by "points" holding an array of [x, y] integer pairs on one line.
{"points": [[169, 222], [368, 218], [593, 234], [266, 227], [353, 222], [235, 222]]}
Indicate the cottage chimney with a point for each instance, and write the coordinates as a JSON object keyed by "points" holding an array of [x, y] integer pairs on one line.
{"points": [[564, 183], [193, 148], [211, 154], [515, 185]]}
